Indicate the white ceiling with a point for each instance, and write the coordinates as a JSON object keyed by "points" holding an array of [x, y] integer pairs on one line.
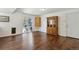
{"points": [[32, 11], [6, 11], [38, 11]]}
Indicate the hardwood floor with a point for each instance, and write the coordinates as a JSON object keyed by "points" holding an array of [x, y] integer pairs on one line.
{"points": [[38, 41]]}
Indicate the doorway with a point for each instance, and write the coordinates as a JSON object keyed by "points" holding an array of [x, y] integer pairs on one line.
{"points": [[27, 25], [52, 25]]}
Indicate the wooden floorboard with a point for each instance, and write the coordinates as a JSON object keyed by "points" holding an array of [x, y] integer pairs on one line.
{"points": [[38, 41]]}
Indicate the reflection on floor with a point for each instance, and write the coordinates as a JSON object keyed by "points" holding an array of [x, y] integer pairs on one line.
{"points": [[38, 41]]}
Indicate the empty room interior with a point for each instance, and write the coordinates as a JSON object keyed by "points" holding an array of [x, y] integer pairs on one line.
{"points": [[39, 29]]}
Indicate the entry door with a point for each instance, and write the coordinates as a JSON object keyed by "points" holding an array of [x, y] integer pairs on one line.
{"points": [[52, 25]]}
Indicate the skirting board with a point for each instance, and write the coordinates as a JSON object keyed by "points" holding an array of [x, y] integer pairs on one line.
{"points": [[11, 35]]}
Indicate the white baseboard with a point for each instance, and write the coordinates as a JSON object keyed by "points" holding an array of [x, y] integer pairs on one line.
{"points": [[11, 35]]}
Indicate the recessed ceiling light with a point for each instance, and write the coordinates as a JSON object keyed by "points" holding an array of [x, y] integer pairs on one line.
{"points": [[43, 9]]}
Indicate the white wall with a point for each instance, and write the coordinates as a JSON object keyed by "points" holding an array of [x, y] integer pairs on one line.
{"points": [[43, 24], [62, 31], [16, 20], [73, 25]]}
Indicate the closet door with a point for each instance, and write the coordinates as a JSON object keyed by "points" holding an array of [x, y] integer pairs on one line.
{"points": [[37, 21], [52, 25]]}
